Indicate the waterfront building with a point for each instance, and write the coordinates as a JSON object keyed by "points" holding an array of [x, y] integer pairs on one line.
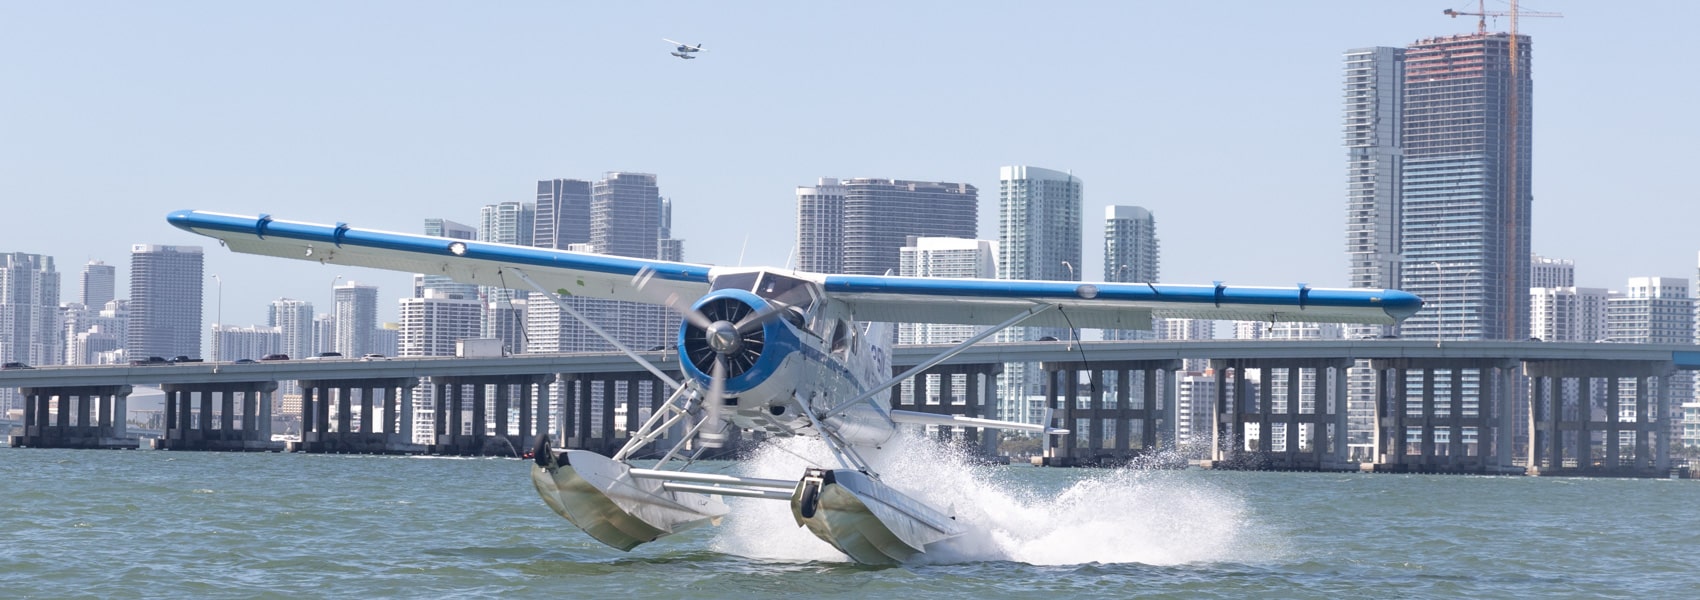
{"points": [[91, 331], [235, 343], [437, 227], [1567, 314], [1655, 310], [294, 320], [431, 325], [1465, 187], [820, 227], [385, 339], [165, 301], [563, 213], [1195, 398], [512, 223], [30, 329], [1130, 255], [100, 284], [945, 258], [356, 319], [1039, 237], [1374, 90], [880, 215], [324, 334], [1547, 272]]}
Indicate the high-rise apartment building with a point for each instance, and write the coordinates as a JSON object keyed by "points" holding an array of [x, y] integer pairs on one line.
{"points": [[431, 325], [1551, 272], [880, 215], [1374, 91], [1567, 314], [946, 258], [356, 319], [625, 215], [449, 229], [1039, 237], [30, 329], [1130, 255], [91, 335], [1656, 310], [294, 320], [165, 301], [253, 343], [820, 227], [1466, 201], [100, 284], [563, 213]]}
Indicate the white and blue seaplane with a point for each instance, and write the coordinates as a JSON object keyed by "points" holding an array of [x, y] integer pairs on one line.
{"points": [[784, 352]]}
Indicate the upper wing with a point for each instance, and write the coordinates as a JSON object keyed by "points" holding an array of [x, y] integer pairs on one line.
{"points": [[672, 42], [1107, 305], [482, 263], [870, 298]]}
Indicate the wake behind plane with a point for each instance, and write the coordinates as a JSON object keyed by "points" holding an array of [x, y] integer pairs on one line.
{"points": [[784, 352]]}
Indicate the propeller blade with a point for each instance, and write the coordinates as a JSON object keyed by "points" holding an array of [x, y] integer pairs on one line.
{"points": [[684, 309], [759, 318], [713, 433]]}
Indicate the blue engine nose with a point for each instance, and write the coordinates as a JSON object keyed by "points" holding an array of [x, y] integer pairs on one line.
{"points": [[757, 353]]}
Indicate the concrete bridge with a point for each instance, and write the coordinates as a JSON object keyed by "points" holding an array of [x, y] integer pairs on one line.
{"points": [[1390, 405]]}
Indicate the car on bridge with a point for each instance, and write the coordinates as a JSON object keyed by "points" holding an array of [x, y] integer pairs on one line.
{"points": [[15, 365], [150, 361], [275, 357]]}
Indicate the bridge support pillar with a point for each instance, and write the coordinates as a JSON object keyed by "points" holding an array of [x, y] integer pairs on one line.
{"points": [[489, 429], [381, 423], [1444, 415], [966, 390], [1581, 424], [100, 421], [213, 426], [1120, 416], [1293, 418]]}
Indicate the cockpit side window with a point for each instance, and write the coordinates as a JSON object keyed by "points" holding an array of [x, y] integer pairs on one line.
{"points": [[840, 336]]}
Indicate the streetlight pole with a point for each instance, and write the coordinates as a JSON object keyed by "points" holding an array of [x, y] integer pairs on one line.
{"points": [[1070, 270], [220, 281]]}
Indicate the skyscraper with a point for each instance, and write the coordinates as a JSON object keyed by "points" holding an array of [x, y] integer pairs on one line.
{"points": [[236, 343], [1130, 255], [449, 229], [1374, 89], [1551, 272], [625, 215], [431, 325], [820, 227], [1039, 237], [1466, 201], [948, 258], [506, 223], [294, 320], [99, 284], [628, 217], [356, 319], [30, 331], [563, 213], [165, 301], [880, 215]]}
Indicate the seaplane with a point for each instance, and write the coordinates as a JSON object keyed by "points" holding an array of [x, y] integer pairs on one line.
{"points": [[783, 352], [683, 50]]}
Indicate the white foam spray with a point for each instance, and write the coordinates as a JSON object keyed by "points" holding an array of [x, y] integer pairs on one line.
{"points": [[1104, 516]]}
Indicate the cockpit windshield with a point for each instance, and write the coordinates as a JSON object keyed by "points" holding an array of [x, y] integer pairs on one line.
{"points": [[795, 293]]}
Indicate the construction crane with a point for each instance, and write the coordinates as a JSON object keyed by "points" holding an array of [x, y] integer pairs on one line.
{"points": [[1482, 14], [1509, 314]]}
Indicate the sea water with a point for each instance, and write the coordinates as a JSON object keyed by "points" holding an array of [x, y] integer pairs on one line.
{"points": [[86, 523]]}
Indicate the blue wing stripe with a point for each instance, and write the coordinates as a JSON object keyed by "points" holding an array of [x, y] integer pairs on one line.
{"points": [[1396, 303], [343, 235]]}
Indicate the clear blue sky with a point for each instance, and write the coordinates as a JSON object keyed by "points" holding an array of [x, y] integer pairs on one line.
{"points": [[1223, 118]]}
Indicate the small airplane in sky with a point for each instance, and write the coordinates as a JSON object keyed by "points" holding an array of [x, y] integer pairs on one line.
{"points": [[685, 51], [788, 353]]}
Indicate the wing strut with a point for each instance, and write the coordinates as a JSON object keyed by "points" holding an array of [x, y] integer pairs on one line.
{"points": [[649, 366], [941, 357]]}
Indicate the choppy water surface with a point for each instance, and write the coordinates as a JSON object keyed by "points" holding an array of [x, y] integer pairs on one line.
{"points": [[139, 523]]}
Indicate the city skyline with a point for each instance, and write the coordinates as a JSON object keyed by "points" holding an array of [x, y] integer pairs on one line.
{"points": [[1145, 129]]}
